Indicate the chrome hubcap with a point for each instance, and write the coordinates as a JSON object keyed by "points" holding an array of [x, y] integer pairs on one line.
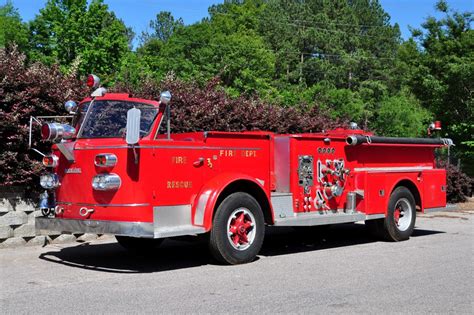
{"points": [[403, 214]]}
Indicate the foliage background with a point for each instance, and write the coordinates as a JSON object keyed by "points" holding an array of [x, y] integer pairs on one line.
{"points": [[280, 65]]}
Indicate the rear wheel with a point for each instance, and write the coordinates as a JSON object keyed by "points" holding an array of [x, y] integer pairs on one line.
{"points": [[136, 244], [399, 223], [238, 229]]}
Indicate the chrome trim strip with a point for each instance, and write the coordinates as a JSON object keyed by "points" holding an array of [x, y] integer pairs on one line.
{"points": [[165, 147], [438, 209], [80, 204], [375, 216], [316, 218], [135, 229], [393, 169]]}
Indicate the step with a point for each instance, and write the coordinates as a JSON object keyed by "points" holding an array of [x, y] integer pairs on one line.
{"points": [[319, 218]]}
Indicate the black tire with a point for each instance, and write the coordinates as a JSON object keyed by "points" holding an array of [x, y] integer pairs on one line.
{"points": [[138, 245], [391, 228], [232, 248]]}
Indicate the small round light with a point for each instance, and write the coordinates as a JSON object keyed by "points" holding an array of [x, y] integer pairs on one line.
{"points": [[165, 97], [70, 106], [105, 160], [50, 161]]}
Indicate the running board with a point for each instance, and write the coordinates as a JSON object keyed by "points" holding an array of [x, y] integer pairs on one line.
{"points": [[319, 218]]}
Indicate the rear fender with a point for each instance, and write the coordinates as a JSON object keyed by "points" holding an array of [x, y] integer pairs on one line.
{"points": [[413, 184], [205, 202]]}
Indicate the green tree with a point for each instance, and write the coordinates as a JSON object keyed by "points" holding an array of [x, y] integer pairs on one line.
{"points": [[441, 74], [401, 116], [343, 42], [69, 30], [162, 28], [12, 29], [223, 46]]}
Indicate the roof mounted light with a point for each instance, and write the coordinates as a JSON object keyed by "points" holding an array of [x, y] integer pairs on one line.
{"points": [[70, 107], [165, 97], [93, 81]]}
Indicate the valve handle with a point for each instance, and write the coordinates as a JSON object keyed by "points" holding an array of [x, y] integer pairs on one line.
{"points": [[84, 212]]}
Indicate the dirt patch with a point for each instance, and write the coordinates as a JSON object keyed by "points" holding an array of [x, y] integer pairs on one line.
{"points": [[466, 206]]}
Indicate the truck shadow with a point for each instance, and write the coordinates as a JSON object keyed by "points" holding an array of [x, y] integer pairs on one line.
{"points": [[193, 252]]}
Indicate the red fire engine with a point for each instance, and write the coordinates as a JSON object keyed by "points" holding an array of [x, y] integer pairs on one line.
{"points": [[118, 170]]}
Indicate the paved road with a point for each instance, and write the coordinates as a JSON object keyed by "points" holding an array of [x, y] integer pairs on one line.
{"points": [[344, 271]]}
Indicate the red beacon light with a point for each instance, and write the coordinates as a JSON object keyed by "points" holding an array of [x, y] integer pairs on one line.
{"points": [[434, 126], [93, 81]]}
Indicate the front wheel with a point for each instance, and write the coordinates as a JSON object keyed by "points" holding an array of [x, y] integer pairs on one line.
{"points": [[399, 223], [238, 229]]}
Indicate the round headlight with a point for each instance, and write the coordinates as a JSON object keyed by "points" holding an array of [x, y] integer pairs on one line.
{"points": [[49, 181]]}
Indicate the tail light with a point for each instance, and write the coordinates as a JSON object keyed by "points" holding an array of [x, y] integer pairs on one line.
{"points": [[56, 131], [50, 161], [106, 182], [105, 160], [49, 181]]}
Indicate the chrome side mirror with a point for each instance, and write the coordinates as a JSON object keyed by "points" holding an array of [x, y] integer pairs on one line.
{"points": [[70, 107], [133, 126], [165, 97]]}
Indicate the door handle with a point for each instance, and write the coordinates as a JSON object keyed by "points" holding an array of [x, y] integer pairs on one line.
{"points": [[198, 162]]}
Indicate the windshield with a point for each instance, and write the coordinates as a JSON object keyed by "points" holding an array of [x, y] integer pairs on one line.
{"points": [[108, 119]]}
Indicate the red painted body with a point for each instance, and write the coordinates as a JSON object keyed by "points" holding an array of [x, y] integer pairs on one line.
{"points": [[198, 169]]}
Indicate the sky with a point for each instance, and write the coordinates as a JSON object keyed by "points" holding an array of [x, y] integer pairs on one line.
{"points": [[138, 13]]}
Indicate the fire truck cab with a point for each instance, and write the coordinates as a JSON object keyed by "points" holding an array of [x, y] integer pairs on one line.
{"points": [[118, 170]]}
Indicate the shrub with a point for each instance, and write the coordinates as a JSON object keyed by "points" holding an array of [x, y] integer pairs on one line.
{"points": [[27, 90], [196, 108], [35, 90], [459, 184]]}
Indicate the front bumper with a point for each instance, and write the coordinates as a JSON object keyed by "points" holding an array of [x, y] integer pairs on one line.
{"points": [[168, 221], [136, 229]]}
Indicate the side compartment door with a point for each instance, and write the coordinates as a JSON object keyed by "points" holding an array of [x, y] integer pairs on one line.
{"points": [[434, 188], [376, 194]]}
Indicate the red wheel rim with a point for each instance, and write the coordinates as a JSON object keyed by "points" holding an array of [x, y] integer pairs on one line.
{"points": [[241, 229]]}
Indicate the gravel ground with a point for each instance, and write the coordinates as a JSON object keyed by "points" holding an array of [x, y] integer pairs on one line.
{"points": [[340, 271]]}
